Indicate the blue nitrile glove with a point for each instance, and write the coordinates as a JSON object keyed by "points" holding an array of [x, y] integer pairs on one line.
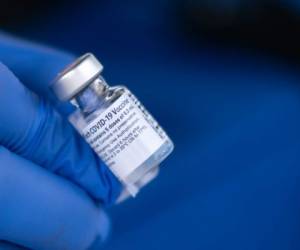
{"points": [[52, 185]]}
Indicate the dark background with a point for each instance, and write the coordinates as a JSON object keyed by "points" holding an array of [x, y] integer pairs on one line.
{"points": [[222, 78]]}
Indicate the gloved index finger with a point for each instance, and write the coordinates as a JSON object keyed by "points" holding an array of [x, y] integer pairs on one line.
{"points": [[35, 65], [31, 128]]}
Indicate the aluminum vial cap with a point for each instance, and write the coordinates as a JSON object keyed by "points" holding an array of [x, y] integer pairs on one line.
{"points": [[76, 77]]}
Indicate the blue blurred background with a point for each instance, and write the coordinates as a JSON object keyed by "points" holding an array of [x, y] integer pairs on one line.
{"points": [[222, 78]]}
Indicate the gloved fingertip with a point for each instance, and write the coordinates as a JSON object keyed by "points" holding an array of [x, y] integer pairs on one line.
{"points": [[97, 244], [103, 230], [104, 225]]}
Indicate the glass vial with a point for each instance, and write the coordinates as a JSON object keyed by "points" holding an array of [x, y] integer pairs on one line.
{"points": [[115, 124]]}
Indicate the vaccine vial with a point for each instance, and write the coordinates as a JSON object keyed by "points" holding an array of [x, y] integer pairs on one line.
{"points": [[115, 124]]}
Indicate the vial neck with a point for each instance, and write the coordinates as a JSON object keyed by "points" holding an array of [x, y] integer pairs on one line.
{"points": [[92, 97]]}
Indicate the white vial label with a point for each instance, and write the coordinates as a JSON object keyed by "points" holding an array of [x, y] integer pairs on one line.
{"points": [[122, 137]]}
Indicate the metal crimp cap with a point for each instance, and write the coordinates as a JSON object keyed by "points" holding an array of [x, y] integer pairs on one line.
{"points": [[76, 77]]}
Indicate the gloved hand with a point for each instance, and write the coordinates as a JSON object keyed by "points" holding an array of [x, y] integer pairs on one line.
{"points": [[52, 185]]}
